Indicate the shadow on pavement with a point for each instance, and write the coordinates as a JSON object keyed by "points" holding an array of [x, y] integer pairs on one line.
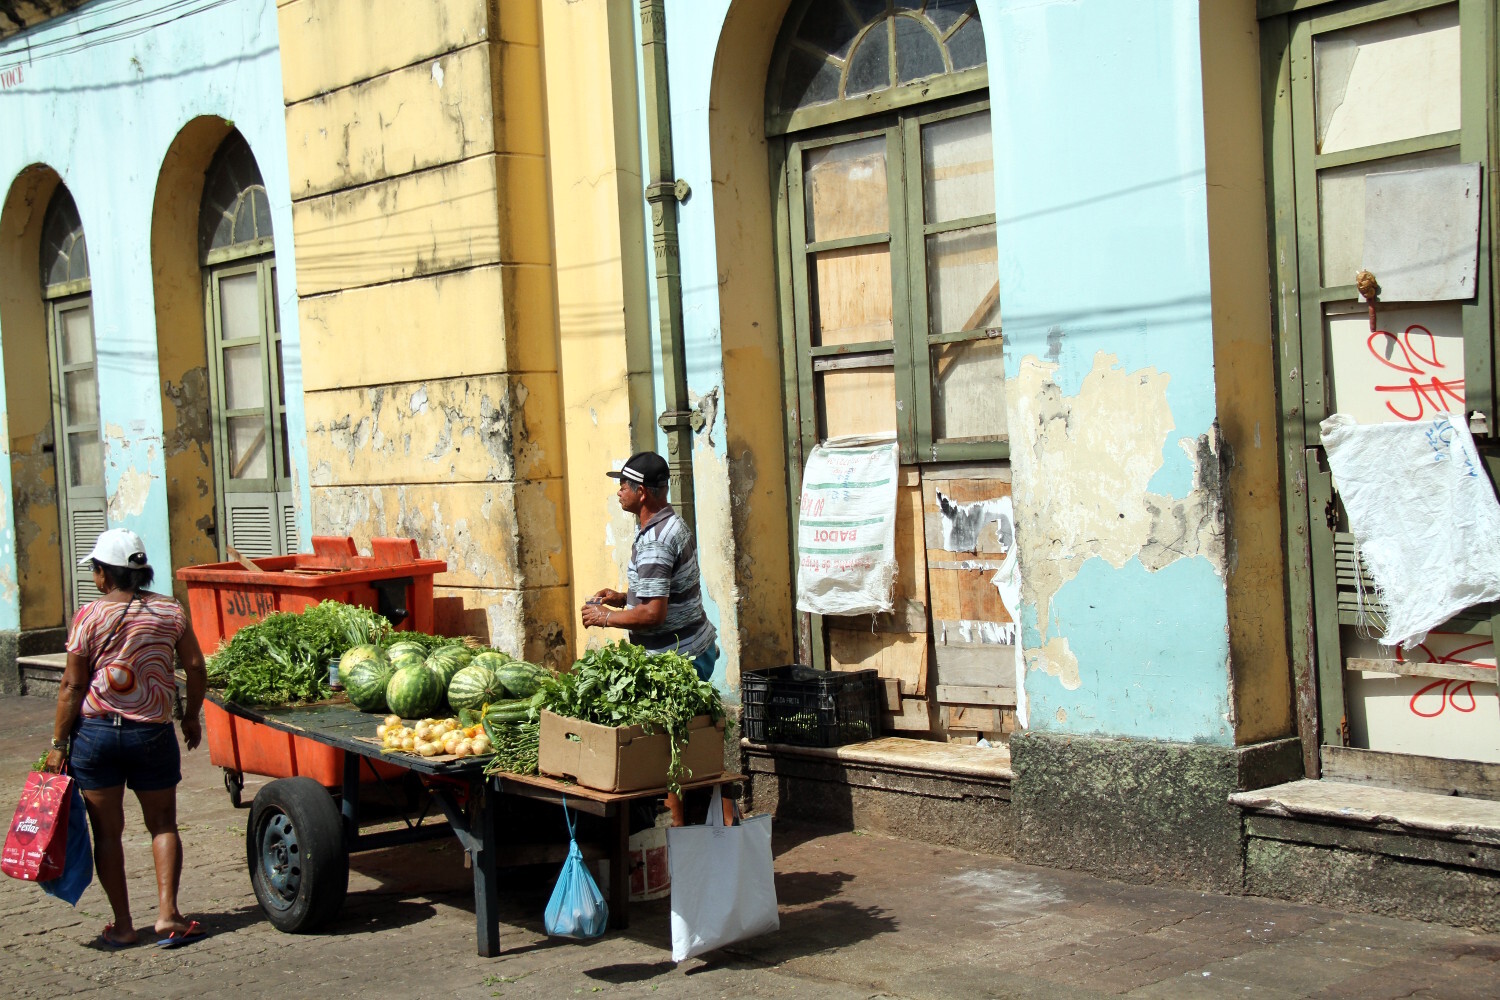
{"points": [[798, 888], [630, 972]]}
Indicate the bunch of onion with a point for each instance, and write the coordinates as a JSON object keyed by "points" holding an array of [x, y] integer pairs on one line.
{"points": [[433, 737]]}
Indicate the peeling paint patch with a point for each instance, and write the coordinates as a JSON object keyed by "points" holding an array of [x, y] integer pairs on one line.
{"points": [[1083, 499], [130, 496], [1081, 485], [716, 553]]}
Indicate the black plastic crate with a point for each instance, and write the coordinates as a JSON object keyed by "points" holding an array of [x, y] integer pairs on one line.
{"points": [[815, 708]]}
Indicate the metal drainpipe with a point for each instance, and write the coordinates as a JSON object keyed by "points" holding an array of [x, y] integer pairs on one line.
{"points": [[663, 192]]}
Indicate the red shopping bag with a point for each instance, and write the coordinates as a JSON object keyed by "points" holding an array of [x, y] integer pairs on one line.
{"points": [[36, 846]]}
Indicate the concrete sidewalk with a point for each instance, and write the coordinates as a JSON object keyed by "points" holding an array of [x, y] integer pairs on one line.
{"points": [[862, 916]]}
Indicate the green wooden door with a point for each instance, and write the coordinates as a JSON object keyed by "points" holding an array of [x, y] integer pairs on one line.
{"points": [[255, 506], [1363, 92], [80, 452]]}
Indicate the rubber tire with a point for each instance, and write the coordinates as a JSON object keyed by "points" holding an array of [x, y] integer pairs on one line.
{"points": [[297, 818], [234, 784]]}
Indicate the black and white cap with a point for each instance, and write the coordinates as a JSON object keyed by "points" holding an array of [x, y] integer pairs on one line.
{"points": [[644, 468]]}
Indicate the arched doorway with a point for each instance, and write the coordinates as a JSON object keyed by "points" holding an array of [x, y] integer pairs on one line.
{"points": [[79, 446], [252, 467], [883, 159]]}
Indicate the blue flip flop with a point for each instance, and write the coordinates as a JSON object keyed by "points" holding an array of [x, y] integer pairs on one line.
{"points": [[110, 942], [193, 932]]}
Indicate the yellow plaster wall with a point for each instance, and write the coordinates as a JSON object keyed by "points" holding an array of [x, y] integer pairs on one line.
{"points": [[426, 299], [480, 428], [1245, 376], [328, 44], [28, 401], [448, 304], [182, 345], [601, 282], [749, 321]]}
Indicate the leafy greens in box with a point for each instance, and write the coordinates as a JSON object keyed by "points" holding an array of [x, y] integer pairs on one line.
{"points": [[623, 685]]}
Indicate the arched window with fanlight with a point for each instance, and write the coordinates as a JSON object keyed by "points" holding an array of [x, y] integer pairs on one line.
{"points": [[889, 215], [879, 120], [256, 515], [66, 287]]}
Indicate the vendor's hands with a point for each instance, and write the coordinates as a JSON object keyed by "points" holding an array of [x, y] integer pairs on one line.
{"points": [[613, 598], [54, 762], [192, 731], [595, 615]]}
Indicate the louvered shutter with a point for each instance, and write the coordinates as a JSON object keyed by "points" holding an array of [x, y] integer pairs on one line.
{"points": [[85, 523]]}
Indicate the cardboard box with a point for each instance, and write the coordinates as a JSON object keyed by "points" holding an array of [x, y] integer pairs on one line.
{"points": [[625, 759]]}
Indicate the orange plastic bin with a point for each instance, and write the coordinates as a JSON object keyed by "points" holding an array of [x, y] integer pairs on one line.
{"points": [[223, 597]]}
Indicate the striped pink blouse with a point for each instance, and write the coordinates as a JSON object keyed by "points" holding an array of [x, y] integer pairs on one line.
{"points": [[130, 651]]}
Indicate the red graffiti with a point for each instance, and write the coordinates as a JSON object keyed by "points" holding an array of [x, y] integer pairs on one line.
{"points": [[1457, 656], [1447, 698], [12, 77], [1425, 387]]}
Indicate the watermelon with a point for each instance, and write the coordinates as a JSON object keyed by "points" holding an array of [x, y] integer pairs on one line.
{"points": [[365, 683], [474, 686], [521, 679], [408, 658], [397, 650], [492, 658], [414, 691]]}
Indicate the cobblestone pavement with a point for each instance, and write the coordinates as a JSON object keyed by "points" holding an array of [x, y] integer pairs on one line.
{"points": [[862, 916]]}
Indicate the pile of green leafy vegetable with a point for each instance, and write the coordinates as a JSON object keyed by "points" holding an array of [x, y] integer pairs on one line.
{"points": [[283, 658], [623, 685]]}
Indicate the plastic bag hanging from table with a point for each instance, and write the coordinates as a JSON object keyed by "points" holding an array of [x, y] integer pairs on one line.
{"points": [[723, 882], [577, 908]]}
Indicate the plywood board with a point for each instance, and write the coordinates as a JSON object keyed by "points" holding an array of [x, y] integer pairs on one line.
{"points": [[975, 665], [959, 694], [915, 716], [972, 719], [902, 656], [965, 595]]}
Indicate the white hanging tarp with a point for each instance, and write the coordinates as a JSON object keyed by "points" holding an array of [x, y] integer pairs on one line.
{"points": [[1423, 514], [846, 532]]}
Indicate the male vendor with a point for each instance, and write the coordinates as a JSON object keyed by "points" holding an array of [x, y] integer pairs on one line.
{"points": [[663, 609]]}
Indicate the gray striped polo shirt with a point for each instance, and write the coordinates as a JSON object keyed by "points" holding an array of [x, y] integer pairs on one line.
{"points": [[664, 563]]}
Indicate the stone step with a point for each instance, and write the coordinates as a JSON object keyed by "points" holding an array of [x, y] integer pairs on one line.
{"points": [[1358, 846], [41, 673]]}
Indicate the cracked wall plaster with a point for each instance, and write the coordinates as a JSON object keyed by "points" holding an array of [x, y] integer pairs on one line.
{"points": [[1081, 490]]}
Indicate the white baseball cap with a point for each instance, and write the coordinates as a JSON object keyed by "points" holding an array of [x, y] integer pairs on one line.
{"points": [[117, 547]]}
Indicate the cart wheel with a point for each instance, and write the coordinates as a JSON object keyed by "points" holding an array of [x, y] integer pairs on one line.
{"points": [[298, 864], [234, 784]]}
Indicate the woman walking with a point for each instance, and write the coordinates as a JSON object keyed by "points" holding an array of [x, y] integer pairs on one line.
{"points": [[114, 726]]}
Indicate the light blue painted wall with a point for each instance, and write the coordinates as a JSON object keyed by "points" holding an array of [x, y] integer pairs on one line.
{"points": [[1101, 201], [1103, 230], [692, 39], [101, 102]]}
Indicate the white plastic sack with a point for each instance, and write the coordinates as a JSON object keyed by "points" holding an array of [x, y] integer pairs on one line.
{"points": [[1423, 514], [723, 885], [846, 531]]}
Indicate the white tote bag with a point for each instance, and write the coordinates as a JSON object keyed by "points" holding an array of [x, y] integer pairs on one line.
{"points": [[723, 885]]}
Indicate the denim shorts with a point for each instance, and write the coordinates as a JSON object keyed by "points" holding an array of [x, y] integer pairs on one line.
{"points": [[141, 755]]}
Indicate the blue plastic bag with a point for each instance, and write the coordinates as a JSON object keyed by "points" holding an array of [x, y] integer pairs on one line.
{"points": [[78, 869], [577, 908]]}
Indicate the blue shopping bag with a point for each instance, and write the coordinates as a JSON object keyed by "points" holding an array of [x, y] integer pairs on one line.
{"points": [[78, 869], [577, 908]]}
